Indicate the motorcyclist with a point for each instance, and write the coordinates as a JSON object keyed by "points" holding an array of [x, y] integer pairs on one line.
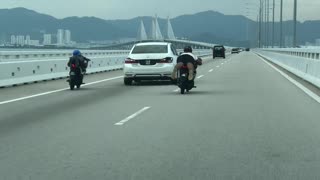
{"points": [[188, 59], [78, 62]]}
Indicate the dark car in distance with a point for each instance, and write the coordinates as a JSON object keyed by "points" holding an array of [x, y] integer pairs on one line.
{"points": [[235, 51], [219, 51]]}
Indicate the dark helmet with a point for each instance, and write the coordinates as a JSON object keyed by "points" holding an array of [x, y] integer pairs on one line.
{"points": [[76, 52], [187, 49]]}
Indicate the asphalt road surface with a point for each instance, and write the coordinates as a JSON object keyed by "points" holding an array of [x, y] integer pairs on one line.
{"points": [[245, 121]]}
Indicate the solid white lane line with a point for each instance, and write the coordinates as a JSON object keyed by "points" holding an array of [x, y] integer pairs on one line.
{"points": [[200, 76], [299, 85], [101, 81], [210, 70], [55, 91], [32, 96], [120, 123]]}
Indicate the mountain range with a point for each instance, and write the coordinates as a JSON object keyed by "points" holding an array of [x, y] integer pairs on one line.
{"points": [[208, 26]]}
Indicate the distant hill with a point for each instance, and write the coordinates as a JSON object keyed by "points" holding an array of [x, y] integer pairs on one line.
{"points": [[208, 26], [24, 21]]}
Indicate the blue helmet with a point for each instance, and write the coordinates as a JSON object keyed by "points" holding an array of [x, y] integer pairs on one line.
{"points": [[76, 52]]}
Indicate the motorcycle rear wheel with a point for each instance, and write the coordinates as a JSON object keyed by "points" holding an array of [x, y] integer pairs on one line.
{"points": [[182, 90], [71, 86]]}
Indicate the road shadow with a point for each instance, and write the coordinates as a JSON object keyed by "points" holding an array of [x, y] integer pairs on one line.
{"points": [[153, 83], [199, 92], [82, 89]]}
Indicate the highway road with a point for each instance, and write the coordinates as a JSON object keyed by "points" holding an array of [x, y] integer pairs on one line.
{"points": [[245, 121]]}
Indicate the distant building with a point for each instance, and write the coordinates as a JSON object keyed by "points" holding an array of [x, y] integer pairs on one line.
{"points": [[288, 41], [60, 37], [67, 36], [308, 44], [20, 40], [317, 42], [34, 43], [3, 38], [28, 39], [13, 40], [47, 39]]}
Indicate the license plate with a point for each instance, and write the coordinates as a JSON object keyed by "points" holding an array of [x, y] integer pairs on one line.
{"points": [[183, 75], [148, 62], [72, 73]]}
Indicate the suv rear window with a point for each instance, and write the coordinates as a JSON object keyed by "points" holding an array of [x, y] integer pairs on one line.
{"points": [[150, 49], [218, 48]]}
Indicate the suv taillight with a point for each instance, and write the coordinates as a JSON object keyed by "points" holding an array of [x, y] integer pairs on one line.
{"points": [[130, 61]]}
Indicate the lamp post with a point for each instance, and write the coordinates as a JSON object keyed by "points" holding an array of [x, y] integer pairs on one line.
{"points": [[295, 24], [250, 7], [268, 27], [260, 25], [273, 9], [281, 23], [247, 13], [265, 22]]}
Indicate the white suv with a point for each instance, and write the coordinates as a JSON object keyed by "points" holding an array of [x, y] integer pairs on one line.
{"points": [[150, 61]]}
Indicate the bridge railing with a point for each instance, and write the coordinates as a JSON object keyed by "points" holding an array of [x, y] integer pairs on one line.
{"points": [[19, 67], [304, 63], [9, 56], [311, 53]]}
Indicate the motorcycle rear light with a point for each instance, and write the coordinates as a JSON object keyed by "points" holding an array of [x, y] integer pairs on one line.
{"points": [[130, 61]]}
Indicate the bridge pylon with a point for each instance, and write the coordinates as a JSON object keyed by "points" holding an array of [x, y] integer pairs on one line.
{"points": [[142, 35], [155, 30], [169, 31]]}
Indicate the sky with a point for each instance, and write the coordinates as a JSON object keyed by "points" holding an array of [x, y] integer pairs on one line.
{"points": [[126, 9]]}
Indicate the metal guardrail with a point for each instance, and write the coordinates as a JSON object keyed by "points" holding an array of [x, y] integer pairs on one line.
{"points": [[299, 63], [195, 44], [9, 56], [311, 53], [32, 66]]}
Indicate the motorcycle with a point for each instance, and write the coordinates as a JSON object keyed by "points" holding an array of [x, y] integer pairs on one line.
{"points": [[76, 74], [75, 77], [183, 82]]}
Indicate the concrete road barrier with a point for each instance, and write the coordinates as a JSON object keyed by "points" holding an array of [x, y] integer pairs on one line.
{"points": [[302, 66]]}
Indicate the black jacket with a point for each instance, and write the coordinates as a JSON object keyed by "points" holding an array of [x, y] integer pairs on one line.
{"points": [[78, 61], [186, 58]]}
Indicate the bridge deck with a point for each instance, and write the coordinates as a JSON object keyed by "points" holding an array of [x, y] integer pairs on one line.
{"points": [[245, 121]]}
